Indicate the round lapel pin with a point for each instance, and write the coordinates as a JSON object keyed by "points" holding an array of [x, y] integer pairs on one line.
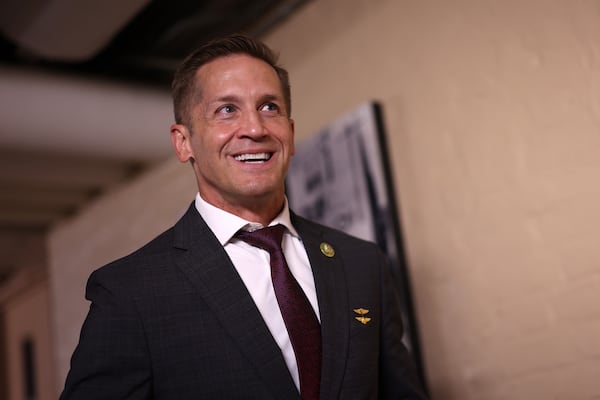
{"points": [[327, 249]]}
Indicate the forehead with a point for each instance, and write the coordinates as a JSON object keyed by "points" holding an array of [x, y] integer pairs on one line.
{"points": [[237, 71]]}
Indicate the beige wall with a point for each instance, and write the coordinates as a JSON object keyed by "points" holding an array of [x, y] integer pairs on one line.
{"points": [[493, 115], [111, 228], [26, 316]]}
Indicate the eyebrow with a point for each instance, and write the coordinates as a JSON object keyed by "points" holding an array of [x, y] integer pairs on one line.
{"points": [[271, 97], [235, 98], [226, 99]]}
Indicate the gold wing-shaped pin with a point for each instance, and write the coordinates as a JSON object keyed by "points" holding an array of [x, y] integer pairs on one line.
{"points": [[361, 315]]}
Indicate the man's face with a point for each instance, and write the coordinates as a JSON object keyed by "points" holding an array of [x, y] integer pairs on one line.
{"points": [[241, 139]]}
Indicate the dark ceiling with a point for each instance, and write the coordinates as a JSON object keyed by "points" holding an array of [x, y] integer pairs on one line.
{"points": [[150, 45]]}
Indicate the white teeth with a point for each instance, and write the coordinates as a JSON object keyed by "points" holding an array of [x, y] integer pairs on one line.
{"points": [[254, 157]]}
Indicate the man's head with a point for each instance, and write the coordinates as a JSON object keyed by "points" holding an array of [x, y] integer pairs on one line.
{"points": [[234, 128], [186, 89]]}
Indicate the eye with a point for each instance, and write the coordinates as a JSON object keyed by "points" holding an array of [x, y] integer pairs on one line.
{"points": [[269, 107], [226, 109]]}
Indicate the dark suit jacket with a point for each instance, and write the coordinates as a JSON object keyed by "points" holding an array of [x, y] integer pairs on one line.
{"points": [[174, 320]]}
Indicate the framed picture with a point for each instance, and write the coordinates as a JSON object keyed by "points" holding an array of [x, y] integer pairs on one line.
{"points": [[340, 177]]}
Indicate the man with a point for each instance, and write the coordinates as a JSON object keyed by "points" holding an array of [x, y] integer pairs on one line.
{"points": [[198, 312]]}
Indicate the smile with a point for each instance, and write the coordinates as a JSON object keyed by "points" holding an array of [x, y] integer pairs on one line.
{"points": [[254, 158]]}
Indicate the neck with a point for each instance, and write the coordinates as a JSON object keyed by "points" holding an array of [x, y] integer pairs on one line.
{"points": [[256, 209]]}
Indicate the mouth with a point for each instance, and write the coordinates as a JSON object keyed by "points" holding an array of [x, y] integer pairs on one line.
{"points": [[253, 158]]}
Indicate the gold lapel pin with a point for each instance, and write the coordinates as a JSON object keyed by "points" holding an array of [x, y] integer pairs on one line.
{"points": [[362, 312], [327, 249]]}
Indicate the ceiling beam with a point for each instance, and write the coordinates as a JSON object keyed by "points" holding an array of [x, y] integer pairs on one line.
{"points": [[63, 171]]}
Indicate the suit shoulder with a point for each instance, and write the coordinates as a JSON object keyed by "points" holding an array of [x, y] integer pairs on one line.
{"points": [[145, 257]]}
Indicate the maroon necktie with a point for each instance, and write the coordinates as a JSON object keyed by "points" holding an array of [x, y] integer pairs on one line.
{"points": [[300, 320]]}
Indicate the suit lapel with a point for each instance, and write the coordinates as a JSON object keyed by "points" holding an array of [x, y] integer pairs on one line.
{"points": [[207, 266], [332, 294]]}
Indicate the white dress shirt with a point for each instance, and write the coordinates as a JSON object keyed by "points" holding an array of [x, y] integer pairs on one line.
{"points": [[252, 264]]}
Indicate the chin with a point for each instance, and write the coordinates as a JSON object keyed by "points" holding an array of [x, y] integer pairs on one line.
{"points": [[253, 191], [258, 187]]}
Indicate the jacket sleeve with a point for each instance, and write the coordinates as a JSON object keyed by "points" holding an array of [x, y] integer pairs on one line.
{"points": [[398, 375], [111, 360]]}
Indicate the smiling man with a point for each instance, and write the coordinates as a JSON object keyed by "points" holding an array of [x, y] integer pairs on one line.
{"points": [[241, 298], [239, 137]]}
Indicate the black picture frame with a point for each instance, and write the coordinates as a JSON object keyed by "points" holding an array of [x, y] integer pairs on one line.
{"points": [[341, 177]]}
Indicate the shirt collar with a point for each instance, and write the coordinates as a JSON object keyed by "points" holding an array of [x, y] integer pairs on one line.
{"points": [[224, 224]]}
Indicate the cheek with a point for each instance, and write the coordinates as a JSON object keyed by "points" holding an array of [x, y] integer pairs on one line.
{"points": [[217, 139], [207, 143], [285, 132]]}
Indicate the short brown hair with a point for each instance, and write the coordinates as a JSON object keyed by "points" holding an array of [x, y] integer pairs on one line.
{"points": [[184, 86]]}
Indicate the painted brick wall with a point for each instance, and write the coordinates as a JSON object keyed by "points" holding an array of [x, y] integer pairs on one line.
{"points": [[493, 115]]}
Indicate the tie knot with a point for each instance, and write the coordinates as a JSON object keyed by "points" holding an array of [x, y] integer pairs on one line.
{"points": [[268, 238]]}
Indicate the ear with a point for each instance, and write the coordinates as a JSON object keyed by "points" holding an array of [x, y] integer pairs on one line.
{"points": [[292, 128], [180, 137]]}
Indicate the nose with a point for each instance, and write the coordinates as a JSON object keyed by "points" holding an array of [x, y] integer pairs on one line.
{"points": [[252, 124]]}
